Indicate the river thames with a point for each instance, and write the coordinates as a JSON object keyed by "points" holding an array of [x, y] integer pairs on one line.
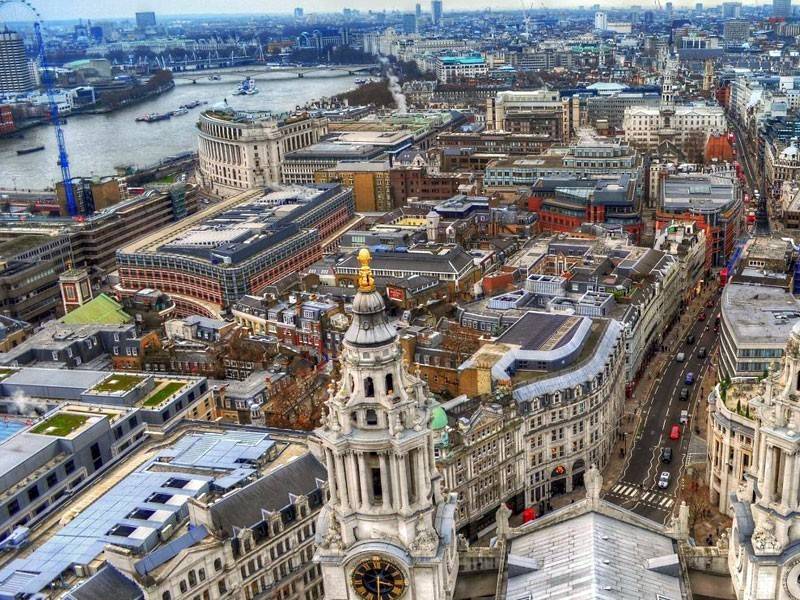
{"points": [[98, 143]]}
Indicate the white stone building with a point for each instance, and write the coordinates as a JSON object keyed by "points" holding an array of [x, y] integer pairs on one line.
{"points": [[387, 530], [241, 151], [764, 555]]}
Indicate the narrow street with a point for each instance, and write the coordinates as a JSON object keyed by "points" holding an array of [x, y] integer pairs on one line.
{"points": [[637, 487]]}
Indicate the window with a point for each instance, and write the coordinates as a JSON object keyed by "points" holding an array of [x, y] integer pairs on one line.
{"points": [[192, 579], [69, 467], [221, 586], [182, 585], [33, 492], [13, 507], [201, 573], [389, 384], [369, 388], [217, 564], [52, 480], [372, 417], [166, 596]]}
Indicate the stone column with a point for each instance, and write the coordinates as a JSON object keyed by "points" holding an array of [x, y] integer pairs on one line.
{"points": [[423, 477], [766, 487], [386, 490], [789, 482], [352, 480], [403, 476], [341, 482], [331, 477], [363, 476]]}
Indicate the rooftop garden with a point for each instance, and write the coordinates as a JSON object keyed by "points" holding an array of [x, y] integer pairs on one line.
{"points": [[6, 373], [163, 390], [116, 383], [60, 424]]}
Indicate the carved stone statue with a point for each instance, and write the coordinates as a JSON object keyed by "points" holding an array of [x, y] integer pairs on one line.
{"points": [[332, 538], [764, 540], [501, 519], [593, 481], [425, 541]]}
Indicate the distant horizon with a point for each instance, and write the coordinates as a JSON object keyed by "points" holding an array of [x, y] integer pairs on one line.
{"points": [[57, 10]]}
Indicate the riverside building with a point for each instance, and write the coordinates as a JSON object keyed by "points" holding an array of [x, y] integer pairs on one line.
{"points": [[238, 151]]}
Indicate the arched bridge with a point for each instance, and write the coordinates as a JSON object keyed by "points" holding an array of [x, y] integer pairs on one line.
{"points": [[224, 74]]}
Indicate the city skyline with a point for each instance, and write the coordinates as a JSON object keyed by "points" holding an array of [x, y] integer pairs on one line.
{"points": [[89, 9]]}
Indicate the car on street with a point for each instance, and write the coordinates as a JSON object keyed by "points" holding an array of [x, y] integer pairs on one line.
{"points": [[702, 352], [684, 393], [710, 304], [675, 432], [680, 357], [684, 417], [689, 378], [663, 481], [690, 338], [701, 316], [666, 455]]}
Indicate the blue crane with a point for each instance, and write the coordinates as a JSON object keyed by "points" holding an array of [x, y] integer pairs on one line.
{"points": [[55, 117]]}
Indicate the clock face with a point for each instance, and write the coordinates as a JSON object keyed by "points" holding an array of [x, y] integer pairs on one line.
{"points": [[378, 579]]}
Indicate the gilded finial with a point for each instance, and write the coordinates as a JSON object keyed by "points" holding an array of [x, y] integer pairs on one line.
{"points": [[366, 282]]}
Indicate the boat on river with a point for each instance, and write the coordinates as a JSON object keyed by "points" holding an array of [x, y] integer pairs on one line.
{"points": [[30, 150], [153, 117]]}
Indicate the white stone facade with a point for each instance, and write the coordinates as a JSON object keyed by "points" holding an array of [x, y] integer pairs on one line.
{"points": [[236, 153], [764, 557], [387, 511]]}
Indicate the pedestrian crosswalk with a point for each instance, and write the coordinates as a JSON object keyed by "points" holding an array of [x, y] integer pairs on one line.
{"points": [[629, 491]]}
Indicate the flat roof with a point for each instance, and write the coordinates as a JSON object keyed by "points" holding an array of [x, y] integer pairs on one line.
{"points": [[759, 315]]}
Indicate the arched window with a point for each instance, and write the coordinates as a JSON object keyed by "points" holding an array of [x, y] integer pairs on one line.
{"points": [[369, 388], [183, 586], [217, 564], [201, 573], [352, 384], [371, 417], [192, 579], [166, 596], [389, 384]]}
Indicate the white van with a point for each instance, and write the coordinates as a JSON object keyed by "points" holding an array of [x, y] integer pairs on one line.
{"points": [[684, 417], [680, 357]]}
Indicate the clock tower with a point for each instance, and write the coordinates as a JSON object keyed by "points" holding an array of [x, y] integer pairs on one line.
{"points": [[387, 531]]}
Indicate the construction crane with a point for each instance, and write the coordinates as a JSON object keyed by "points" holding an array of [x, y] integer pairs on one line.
{"points": [[55, 117]]}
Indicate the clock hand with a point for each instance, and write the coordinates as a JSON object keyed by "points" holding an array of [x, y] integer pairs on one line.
{"points": [[378, 585]]}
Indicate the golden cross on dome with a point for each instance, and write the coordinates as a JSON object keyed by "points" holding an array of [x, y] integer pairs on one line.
{"points": [[366, 282]]}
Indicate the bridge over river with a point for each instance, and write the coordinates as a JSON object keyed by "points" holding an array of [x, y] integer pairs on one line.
{"points": [[206, 75]]}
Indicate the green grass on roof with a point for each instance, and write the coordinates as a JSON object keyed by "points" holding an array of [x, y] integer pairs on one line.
{"points": [[6, 373], [102, 310], [117, 383], [162, 393], [61, 424]]}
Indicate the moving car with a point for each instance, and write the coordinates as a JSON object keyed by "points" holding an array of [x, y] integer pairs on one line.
{"points": [[689, 378], [710, 304], [690, 338], [663, 481], [675, 432], [666, 455], [701, 316], [680, 357], [702, 352], [684, 393], [684, 417]]}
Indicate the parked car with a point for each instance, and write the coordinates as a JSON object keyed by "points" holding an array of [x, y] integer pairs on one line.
{"points": [[680, 357], [690, 338], [684, 417], [684, 393], [663, 481], [675, 432], [710, 304], [702, 352], [689, 378], [701, 316], [666, 455]]}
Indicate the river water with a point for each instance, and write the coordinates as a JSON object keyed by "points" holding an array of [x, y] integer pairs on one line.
{"points": [[98, 143]]}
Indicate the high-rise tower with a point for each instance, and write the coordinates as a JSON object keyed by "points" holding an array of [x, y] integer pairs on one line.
{"points": [[16, 74], [387, 528], [436, 12]]}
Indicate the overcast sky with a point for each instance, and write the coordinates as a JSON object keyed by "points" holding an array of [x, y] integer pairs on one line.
{"points": [[93, 9]]}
